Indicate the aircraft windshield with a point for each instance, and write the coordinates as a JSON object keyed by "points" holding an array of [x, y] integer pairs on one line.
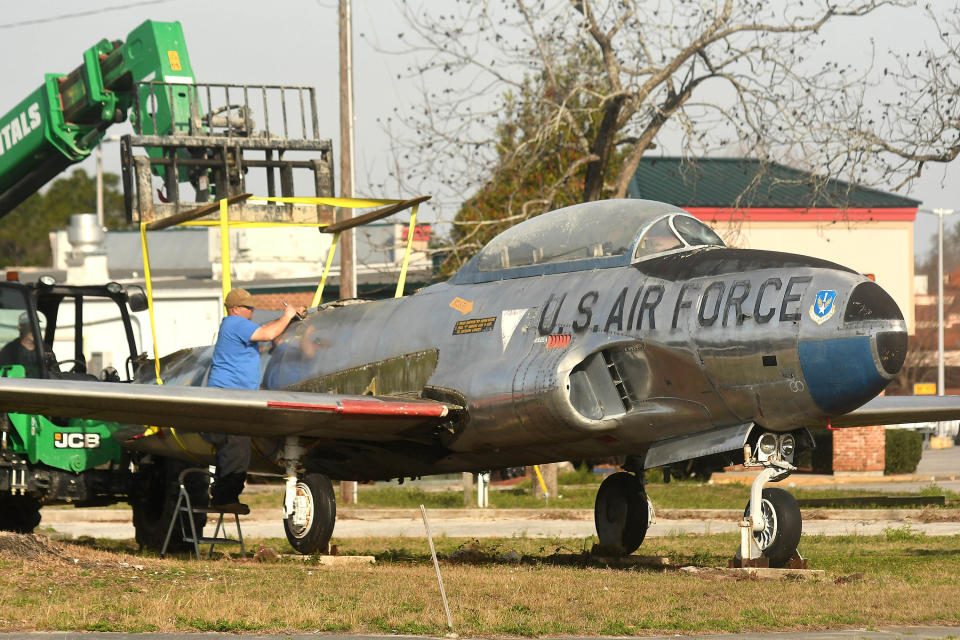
{"points": [[675, 232], [595, 230], [659, 237], [592, 235], [695, 232]]}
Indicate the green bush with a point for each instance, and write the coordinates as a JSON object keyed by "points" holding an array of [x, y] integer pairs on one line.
{"points": [[904, 449]]}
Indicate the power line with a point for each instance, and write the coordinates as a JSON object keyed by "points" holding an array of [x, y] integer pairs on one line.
{"points": [[80, 14]]}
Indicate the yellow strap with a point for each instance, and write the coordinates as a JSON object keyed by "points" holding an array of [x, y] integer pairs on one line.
{"points": [[176, 438], [146, 275], [224, 250], [242, 224], [543, 485], [347, 203], [149, 431], [406, 254], [326, 270]]}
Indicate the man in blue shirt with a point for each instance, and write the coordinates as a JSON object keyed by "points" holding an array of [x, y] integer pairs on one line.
{"points": [[236, 365]]}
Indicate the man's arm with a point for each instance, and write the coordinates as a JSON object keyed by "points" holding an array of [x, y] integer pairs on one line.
{"points": [[274, 328]]}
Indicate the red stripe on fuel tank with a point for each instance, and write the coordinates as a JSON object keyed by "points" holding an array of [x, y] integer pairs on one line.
{"points": [[368, 408], [380, 408]]}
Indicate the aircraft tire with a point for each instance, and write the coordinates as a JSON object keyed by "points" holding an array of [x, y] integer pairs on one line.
{"points": [[621, 514], [315, 494], [779, 539], [21, 514], [154, 499]]}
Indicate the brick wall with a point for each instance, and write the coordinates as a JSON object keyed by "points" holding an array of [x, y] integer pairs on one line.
{"points": [[294, 298], [860, 449]]}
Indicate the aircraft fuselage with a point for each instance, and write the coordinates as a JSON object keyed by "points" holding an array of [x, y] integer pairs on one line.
{"points": [[607, 361]]}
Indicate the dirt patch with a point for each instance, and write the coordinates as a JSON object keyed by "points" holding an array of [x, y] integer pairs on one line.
{"points": [[939, 514], [28, 546], [563, 514]]}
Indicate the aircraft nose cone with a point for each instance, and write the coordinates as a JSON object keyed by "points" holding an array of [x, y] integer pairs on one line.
{"points": [[844, 372]]}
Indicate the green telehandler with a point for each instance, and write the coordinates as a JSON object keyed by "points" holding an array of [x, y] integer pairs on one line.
{"points": [[46, 460]]}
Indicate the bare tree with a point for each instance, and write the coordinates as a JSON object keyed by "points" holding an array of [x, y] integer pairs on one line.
{"points": [[591, 86], [908, 117]]}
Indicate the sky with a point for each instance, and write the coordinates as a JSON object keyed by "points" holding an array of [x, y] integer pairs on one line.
{"points": [[295, 42]]}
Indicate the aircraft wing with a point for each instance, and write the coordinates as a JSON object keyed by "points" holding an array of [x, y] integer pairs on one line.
{"points": [[237, 411], [900, 410]]}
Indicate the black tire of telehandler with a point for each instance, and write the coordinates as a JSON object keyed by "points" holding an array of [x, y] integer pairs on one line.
{"points": [[19, 514], [156, 488]]}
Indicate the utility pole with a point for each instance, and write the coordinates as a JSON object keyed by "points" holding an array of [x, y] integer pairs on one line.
{"points": [[348, 281], [348, 252]]}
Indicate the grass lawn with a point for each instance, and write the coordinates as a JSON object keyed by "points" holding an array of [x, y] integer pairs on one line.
{"points": [[499, 587]]}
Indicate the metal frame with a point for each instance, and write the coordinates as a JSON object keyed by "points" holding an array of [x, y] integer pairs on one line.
{"points": [[214, 146], [185, 506]]}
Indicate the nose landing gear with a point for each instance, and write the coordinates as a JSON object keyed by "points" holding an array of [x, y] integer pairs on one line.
{"points": [[771, 526], [782, 524]]}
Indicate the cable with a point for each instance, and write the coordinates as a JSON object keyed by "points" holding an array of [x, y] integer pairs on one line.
{"points": [[80, 14]]}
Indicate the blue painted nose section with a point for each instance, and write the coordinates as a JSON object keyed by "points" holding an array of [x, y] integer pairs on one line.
{"points": [[841, 373]]}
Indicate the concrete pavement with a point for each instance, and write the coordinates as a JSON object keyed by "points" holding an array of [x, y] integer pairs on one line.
{"points": [[491, 523], [517, 528]]}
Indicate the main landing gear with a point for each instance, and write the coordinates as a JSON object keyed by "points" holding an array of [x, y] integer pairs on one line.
{"points": [[309, 504], [622, 514]]}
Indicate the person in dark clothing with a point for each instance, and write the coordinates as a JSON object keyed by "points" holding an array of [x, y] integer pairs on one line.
{"points": [[23, 349], [236, 365]]}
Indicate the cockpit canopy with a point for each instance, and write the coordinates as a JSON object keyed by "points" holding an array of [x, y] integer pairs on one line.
{"points": [[592, 235]]}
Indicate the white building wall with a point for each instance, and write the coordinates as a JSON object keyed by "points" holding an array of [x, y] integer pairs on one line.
{"points": [[884, 249], [184, 318]]}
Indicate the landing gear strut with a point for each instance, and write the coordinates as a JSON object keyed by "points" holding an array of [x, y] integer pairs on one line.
{"points": [[310, 525], [309, 503], [772, 524]]}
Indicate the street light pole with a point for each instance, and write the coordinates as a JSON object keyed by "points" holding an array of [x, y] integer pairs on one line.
{"points": [[940, 368]]}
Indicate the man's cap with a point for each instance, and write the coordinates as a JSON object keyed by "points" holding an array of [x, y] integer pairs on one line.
{"points": [[24, 320], [239, 298]]}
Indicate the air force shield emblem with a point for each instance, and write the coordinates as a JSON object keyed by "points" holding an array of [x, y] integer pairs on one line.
{"points": [[822, 308]]}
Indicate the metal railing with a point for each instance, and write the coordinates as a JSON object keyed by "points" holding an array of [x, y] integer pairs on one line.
{"points": [[228, 110]]}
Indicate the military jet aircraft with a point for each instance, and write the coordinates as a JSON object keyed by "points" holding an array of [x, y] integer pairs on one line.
{"points": [[619, 327]]}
